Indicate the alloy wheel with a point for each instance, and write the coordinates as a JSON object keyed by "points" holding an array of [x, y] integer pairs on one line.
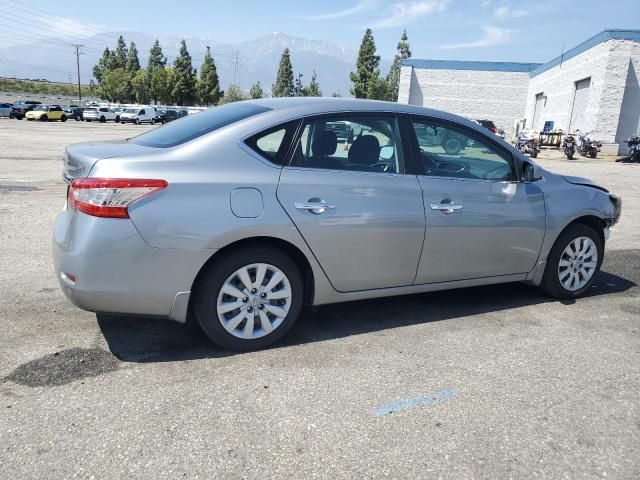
{"points": [[578, 263], [254, 301]]}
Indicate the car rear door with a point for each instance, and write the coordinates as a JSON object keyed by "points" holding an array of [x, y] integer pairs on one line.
{"points": [[354, 201], [481, 220]]}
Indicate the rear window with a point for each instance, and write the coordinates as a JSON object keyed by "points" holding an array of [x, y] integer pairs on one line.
{"points": [[194, 126]]}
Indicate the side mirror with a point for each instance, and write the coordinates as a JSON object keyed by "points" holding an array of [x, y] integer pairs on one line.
{"points": [[531, 172]]}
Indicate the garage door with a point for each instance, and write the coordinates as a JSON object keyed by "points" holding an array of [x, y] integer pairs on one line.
{"points": [[579, 105], [537, 111]]}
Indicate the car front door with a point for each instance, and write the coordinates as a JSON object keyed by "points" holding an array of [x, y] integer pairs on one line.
{"points": [[482, 221], [350, 195]]}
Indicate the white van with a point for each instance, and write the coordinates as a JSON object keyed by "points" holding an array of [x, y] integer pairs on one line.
{"points": [[138, 115]]}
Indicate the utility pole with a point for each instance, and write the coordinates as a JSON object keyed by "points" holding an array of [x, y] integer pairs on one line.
{"points": [[235, 70], [78, 65]]}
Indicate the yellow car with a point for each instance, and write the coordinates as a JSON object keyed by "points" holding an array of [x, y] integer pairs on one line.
{"points": [[47, 113]]}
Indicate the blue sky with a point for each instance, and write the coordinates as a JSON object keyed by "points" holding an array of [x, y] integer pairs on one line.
{"points": [[499, 30]]}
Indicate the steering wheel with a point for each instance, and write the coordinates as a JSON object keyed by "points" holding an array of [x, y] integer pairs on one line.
{"points": [[486, 175]]}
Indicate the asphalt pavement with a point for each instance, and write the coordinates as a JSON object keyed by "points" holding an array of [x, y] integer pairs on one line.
{"points": [[490, 382]]}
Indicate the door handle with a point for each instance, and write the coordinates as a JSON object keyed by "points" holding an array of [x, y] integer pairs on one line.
{"points": [[446, 207], [315, 207]]}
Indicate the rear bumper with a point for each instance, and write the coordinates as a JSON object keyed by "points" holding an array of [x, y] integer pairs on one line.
{"points": [[103, 265]]}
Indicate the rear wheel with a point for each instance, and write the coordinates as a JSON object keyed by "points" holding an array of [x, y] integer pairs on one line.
{"points": [[249, 299], [102, 119], [63, 118], [44, 118], [574, 260]]}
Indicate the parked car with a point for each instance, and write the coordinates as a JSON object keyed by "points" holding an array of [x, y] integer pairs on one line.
{"points": [[165, 116], [19, 110], [74, 112], [47, 113], [5, 109], [242, 214], [138, 115], [100, 114], [489, 125]]}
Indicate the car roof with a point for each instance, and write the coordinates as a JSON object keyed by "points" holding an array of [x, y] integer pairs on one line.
{"points": [[303, 106]]}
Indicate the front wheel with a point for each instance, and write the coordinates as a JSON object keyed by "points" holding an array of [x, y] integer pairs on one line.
{"points": [[44, 118], [117, 119], [249, 299], [103, 120], [574, 260], [63, 118], [137, 121], [153, 121], [594, 153]]}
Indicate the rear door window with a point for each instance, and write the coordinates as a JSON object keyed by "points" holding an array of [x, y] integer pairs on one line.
{"points": [[273, 144]]}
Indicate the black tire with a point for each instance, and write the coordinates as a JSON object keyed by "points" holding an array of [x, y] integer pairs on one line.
{"points": [[594, 153], [137, 121], [103, 120], [153, 121], [212, 280], [63, 118], [44, 118], [117, 118], [569, 156], [534, 154], [550, 281]]}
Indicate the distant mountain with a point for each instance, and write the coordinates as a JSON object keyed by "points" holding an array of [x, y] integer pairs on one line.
{"points": [[256, 59]]}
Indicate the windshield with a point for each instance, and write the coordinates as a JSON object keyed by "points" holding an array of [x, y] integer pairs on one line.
{"points": [[41, 108], [194, 126], [89, 110], [131, 110]]}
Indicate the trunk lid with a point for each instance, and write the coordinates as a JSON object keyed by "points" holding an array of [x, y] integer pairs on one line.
{"points": [[80, 158]]}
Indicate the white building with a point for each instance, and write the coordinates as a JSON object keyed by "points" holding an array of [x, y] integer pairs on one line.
{"points": [[592, 87]]}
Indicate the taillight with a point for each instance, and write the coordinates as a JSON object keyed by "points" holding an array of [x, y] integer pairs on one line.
{"points": [[110, 197], [493, 129]]}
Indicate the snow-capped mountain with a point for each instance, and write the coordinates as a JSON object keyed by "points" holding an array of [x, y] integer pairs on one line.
{"points": [[257, 60]]}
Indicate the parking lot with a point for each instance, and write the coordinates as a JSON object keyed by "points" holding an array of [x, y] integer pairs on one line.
{"points": [[489, 382]]}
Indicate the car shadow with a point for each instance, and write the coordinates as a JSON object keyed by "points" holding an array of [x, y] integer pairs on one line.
{"points": [[145, 339]]}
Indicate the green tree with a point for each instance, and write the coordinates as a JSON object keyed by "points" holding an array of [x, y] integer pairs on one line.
{"points": [[256, 90], [156, 57], [161, 86], [367, 67], [283, 87], [378, 89], [114, 85], [336, 95], [313, 89], [209, 86], [393, 78], [133, 62], [156, 78], [120, 54], [140, 87], [103, 66], [184, 78], [233, 94]]}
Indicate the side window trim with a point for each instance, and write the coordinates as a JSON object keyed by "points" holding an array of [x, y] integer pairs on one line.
{"points": [[508, 156], [351, 115]]}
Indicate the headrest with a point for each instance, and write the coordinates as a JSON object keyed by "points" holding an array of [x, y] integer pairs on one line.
{"points": [[325, 143], [365, 150]]}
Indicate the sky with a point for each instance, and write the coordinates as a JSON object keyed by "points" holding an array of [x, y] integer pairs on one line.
{"points": [[497, 30]]}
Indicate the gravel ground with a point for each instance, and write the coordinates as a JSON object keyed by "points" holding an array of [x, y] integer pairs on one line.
{"points": [[491, 382]]}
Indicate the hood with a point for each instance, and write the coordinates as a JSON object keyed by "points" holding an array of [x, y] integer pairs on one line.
{"points": [[80, 158], [585, 182]]}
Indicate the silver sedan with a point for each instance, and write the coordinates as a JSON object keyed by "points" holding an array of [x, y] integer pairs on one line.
{"points": [[239, 216]]}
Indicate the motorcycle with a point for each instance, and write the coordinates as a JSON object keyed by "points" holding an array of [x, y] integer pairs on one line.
{"points": [[528, 144], [588, 147], [633, 144], [569, 146]]}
